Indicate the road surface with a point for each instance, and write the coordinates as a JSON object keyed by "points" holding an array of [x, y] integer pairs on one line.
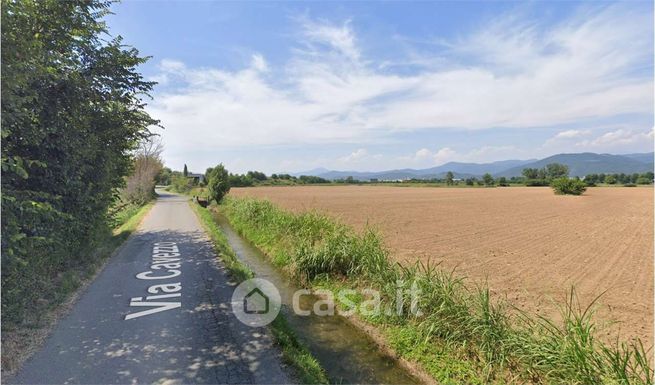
{"points": [[158, 313]]}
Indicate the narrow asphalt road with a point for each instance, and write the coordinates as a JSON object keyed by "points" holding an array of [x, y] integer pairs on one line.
{"points": [[158, 313]]}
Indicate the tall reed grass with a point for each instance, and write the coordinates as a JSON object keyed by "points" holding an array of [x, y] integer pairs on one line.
{"points": [[501, 343]]}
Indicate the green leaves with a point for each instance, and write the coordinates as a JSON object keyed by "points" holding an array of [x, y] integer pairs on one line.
{"points": [[72, 114], [218, 183]]}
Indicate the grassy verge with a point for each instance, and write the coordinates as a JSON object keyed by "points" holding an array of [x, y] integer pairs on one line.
{"points": [[22, 336], [463, 335], [128, 220], [294, 353]]}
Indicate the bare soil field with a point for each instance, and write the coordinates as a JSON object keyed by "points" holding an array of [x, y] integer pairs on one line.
{"points": [[527, 243]]}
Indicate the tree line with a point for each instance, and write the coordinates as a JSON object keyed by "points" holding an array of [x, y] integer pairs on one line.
{"points": [[555, 175], [622, 178], [181, 183]]}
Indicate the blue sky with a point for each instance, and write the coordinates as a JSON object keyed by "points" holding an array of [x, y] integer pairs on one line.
{"points": [[290, 86]]}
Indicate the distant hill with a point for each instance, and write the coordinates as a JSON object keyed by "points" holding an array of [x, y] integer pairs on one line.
{"points": [[645, 158], [590, 163], [474, 168], [579, 165], [392, 174], [314, 172]]}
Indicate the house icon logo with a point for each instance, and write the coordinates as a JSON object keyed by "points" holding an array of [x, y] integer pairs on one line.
{"points": [[256, 302]]}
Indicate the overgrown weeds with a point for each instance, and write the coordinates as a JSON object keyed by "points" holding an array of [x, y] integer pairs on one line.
{"points": [[462, 334]]}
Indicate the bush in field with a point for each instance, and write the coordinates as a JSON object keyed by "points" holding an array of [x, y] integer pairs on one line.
{"points": [[566, 186], [536, 182], [218, 183]]}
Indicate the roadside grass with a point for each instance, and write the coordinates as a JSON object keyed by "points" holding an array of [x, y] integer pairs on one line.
{"points": [[55, 293], [127, 220], [293, 352], [463, 335]]}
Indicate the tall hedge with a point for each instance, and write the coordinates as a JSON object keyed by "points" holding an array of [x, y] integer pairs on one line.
{"points": [[72, 112]]}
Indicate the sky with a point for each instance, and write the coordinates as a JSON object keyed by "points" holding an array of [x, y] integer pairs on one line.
{"points": [[293, 86]]}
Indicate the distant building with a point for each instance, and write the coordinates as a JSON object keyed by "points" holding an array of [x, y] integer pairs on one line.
{"points": [[197, 178]]}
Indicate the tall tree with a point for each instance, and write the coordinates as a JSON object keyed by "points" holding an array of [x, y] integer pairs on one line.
{"points": [[72, 114], [449, 178], [186, 171], [556, 170], [218, 183], [530, 173], [488, 179]]}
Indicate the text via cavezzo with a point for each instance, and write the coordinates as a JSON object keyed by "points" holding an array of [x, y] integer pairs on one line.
{"points": [[166, 265]]}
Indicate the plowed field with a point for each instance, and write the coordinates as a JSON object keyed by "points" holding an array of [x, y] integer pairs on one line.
{"points": [[527, 243]]}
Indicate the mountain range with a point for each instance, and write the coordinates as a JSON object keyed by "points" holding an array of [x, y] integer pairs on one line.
{"points": [[580, 164]]}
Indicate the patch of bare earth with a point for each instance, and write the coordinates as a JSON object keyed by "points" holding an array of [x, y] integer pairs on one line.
{"points": [[527, 243]]}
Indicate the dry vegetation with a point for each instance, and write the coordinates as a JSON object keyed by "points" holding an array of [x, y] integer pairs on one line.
{"points": [[527, 243]]}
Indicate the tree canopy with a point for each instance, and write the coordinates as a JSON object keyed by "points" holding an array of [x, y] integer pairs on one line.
{"points": [[218, 183]]}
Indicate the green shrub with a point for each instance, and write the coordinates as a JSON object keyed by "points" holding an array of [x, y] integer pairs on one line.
{"points": [[218, 183], [566, 186], [644, 180], [536, 182], [180, 184], [611, 179]]}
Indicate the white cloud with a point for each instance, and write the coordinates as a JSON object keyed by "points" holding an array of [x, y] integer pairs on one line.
{"points": [[359, 158], [512, 73], [567, 135], [355, 156], [444, 155], [425, 157], [259, 63], [618, 138], [423, 153], [339, 38], [572, 134], [168, 65], [492, 153]]}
